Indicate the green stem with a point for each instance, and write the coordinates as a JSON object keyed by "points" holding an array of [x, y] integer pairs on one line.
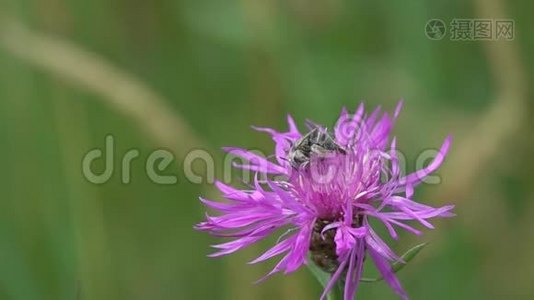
{"points": [[337, 292]]}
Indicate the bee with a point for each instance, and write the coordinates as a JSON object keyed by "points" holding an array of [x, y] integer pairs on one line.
{"points": [[316, 142]]}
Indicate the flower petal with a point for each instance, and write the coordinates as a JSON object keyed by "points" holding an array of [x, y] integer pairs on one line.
{"points": [[418, 176], [387, 273]]}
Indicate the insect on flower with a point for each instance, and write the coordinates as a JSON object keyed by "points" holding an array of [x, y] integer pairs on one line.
{"points": [[316, 142], [328, 220]]}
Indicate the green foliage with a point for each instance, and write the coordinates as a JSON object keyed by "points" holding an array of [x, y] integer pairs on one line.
{"points": [[397, 266]]}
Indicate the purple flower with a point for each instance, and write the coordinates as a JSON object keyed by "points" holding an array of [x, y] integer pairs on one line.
{"points": [[324, 189]]}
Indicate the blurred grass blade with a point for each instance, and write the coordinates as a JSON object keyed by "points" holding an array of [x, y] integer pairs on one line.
{"points": [[397, 266], [117, 88]]}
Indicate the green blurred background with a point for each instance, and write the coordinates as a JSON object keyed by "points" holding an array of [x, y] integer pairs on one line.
{"points": [[191, 74]]}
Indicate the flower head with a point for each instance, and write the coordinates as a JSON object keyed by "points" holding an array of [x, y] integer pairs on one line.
{"points": [[325, 186]]}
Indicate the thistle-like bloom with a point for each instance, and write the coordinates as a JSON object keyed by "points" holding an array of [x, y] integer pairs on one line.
{"points": [[323, 189]]}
